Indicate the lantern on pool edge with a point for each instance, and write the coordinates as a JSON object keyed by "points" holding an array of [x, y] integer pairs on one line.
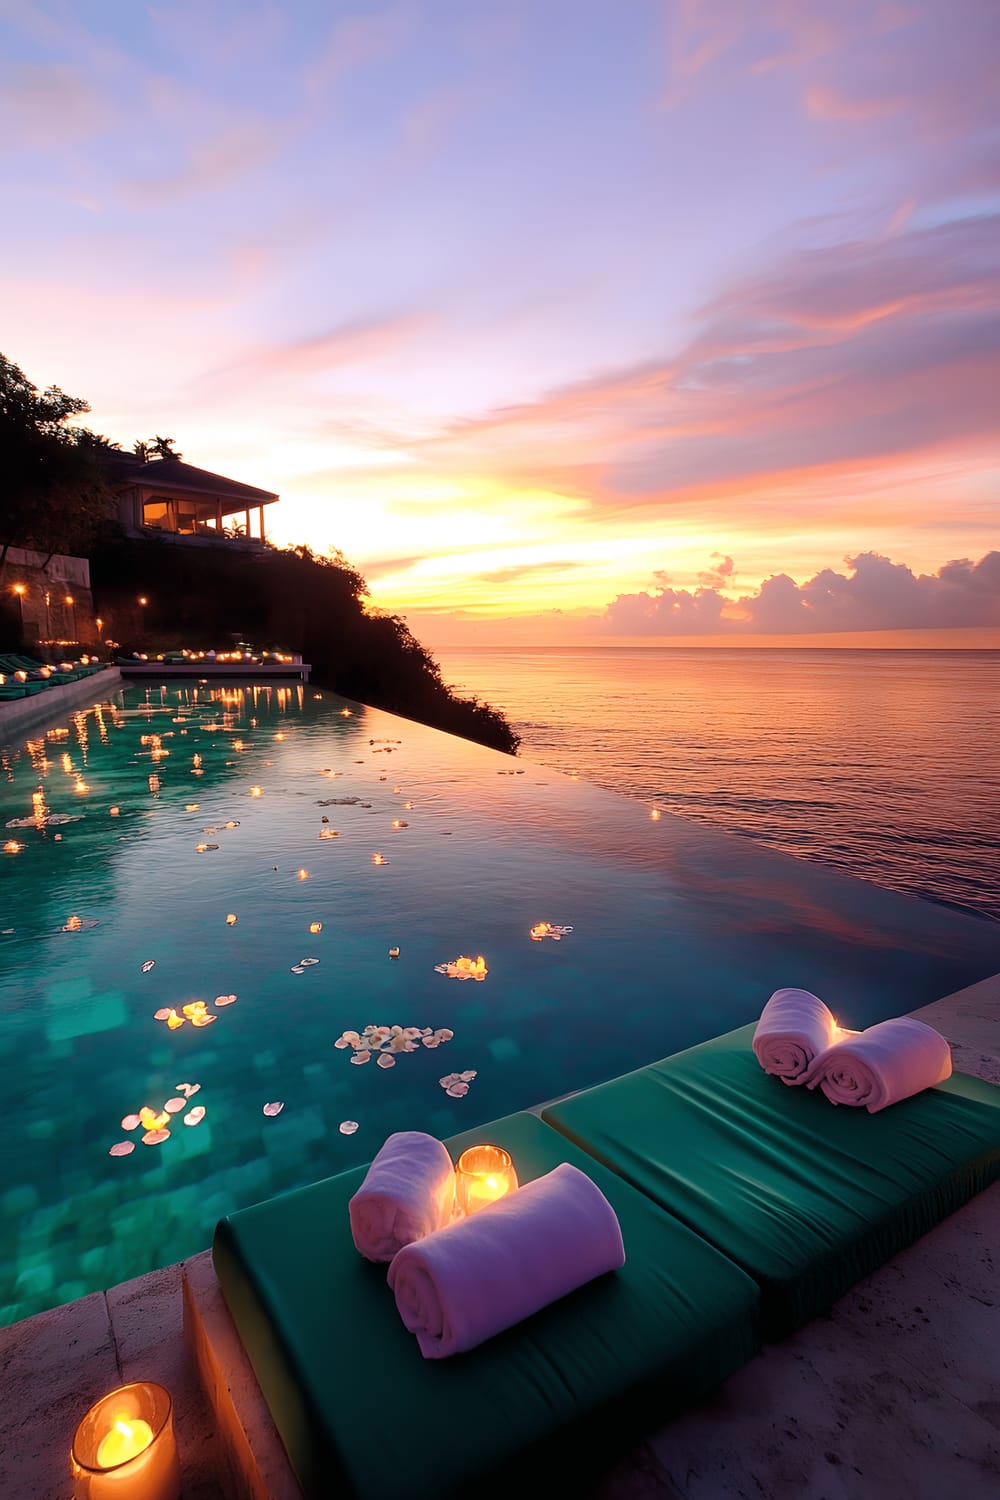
{"points": [[125, 1449]]}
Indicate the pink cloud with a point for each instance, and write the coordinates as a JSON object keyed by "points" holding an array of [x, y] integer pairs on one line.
{"points": [[876, 595], [831, 361]]}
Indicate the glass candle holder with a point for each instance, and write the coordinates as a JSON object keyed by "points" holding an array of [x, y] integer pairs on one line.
{"points": [[483, 1174], [125, 1449]]}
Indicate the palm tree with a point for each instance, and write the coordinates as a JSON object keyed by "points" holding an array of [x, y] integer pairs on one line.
{"points": [[141, 450], [162, 447]]}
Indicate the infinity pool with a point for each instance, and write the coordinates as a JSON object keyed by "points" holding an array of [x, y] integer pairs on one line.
{"points": [[117, 916]]}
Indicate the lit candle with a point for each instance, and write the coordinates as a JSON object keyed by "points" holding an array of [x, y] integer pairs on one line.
{"points": [[483, 1174], [124, 1441], [124, 1449]]}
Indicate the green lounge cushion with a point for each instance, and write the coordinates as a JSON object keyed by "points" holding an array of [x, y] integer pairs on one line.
{"points": [[362, 1413], [805, 1196]]}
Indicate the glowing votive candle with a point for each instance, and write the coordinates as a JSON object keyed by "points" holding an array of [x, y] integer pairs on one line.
{"points": [[124, 1449], [483, 1174]]}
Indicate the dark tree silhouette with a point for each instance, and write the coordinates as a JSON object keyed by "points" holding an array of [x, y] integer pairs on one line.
{"points": [[55, 490]]}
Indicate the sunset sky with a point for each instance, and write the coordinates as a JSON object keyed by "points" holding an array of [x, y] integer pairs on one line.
{"points": [[564, 320]]}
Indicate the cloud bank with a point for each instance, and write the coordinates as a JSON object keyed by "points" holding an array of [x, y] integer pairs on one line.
{"points": [[876, 594]]}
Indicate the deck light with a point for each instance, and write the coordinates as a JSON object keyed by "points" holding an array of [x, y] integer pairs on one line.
{"points": [[125, 1449], [484, 1174]]}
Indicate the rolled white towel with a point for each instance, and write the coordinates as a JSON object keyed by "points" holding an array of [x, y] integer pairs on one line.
{"points": [[795, 1027], [408, 1192], [484, 1273], [882, 1065]]}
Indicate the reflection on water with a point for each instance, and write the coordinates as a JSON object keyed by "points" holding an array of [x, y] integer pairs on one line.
{"points": [[881, 763], [136, 971]]}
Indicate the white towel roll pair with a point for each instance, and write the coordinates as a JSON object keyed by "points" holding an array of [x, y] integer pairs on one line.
{"points": [[798, 1040], [458, 1283]]}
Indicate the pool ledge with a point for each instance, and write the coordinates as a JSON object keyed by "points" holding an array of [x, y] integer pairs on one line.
{"points": [[24, 713], [894, 1393]]}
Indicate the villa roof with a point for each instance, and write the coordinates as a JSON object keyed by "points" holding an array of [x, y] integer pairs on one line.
{"points": [[174, 476]]}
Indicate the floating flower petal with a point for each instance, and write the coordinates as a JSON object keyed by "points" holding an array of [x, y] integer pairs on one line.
{"points": [[361, 1056], [386, 1060], [457, 1090], [155, 1137], [195, 1116], [464, 968], [273, 1109], [231, 919], [122, 1148], [164, 1014], [131, 1122], [147, 965], [174, 1106], [221, 1000], [348, 1127]]}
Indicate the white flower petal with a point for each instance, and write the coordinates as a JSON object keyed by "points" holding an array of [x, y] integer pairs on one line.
{"points": [[348, 1127]]}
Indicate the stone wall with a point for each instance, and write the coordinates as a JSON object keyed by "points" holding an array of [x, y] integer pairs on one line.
{"points": [[45, 602]]}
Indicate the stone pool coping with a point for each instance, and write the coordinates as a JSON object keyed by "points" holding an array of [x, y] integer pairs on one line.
{"points": [[892, 1394], [27, 712]]}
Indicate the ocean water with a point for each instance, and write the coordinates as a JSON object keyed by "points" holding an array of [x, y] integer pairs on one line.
{"points": [[882, 764]]}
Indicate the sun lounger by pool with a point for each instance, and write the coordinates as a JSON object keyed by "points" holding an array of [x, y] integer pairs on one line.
{"points": [[362, 1414], [806, 1197]]}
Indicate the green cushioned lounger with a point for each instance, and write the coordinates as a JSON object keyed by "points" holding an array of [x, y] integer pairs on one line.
{"points": [[805, 1196], [361, 1413]]}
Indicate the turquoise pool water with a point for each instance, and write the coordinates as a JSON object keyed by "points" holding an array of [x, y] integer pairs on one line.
{"points": [[678, 933]]}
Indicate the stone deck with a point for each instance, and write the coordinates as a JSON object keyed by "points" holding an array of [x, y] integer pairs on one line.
{"points": [[894, 1396]]}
